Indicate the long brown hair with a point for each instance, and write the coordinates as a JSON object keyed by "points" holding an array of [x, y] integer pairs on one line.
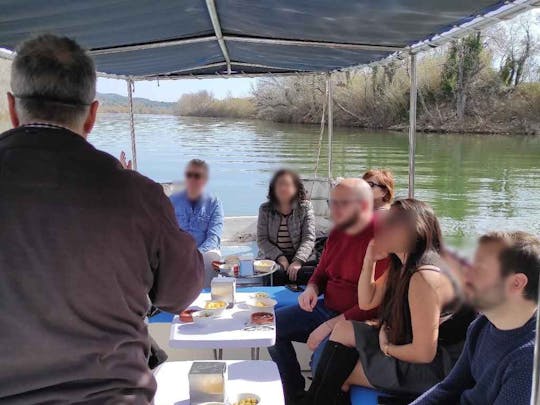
{"points": [[426, 237]]}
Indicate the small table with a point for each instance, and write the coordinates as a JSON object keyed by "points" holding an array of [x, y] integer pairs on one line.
{"points": [[282, 295], [254, 377], [226, 332]]}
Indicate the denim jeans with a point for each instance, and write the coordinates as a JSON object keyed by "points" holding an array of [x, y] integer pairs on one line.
{"points": [[293, 324]]}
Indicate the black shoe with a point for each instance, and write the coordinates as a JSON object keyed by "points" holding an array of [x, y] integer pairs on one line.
{"points": [[336, 365]]}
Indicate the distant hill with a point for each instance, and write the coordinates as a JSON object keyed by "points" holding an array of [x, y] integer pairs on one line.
{"points": [[114, 103]]}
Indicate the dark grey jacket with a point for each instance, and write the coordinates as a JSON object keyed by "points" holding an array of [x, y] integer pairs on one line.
{"points": [[83, 243], [301, 224]]}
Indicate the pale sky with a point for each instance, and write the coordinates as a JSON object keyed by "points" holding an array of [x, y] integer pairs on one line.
{"points": [[171, 90]]}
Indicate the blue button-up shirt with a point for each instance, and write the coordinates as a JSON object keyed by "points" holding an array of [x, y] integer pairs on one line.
{"points": [[203, 219]]}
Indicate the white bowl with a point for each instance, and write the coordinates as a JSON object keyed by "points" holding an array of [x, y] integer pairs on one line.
{"points": [[246, 395], [263, 266], [261, 304], [203, 317]]}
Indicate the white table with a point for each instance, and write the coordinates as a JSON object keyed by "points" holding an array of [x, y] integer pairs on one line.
{"points": [[254, 377], [225, 332]]}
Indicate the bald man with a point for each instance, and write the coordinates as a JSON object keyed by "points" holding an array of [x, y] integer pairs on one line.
{"points": [[336, 276]]}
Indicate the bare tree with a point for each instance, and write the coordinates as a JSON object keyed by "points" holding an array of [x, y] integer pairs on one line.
{"points": [[516, 45]]}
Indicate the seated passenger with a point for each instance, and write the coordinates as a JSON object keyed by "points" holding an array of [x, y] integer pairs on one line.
{"points": [[419, 338], [382, 184], [200, 214], [286, 228], [336, 276], [496, 365]]}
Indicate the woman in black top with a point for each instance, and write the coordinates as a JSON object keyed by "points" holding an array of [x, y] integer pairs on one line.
{"points": [[410, 349]]}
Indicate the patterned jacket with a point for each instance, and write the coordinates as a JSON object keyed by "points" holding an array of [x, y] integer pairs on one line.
{"points": [[301, 224]]}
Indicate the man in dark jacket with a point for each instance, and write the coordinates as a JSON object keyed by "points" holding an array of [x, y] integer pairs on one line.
{"points": [[83, 244]]}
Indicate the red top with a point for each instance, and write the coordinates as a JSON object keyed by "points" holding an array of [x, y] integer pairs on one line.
{"points": [[339, 270]]}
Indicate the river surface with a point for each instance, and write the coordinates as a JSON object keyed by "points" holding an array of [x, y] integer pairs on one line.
{"points": [[475, 183]]}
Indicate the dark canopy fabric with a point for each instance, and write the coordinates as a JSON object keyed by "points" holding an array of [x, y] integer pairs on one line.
{"points": [[160, 33]]}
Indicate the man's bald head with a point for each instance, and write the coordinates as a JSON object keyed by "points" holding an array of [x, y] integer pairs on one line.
{"points": [[357, 187], [351, 203]]}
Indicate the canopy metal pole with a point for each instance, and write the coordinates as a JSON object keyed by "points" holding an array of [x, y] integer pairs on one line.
{"points": [[132, 123], [535, 397], [330, 121], [412, 124]]}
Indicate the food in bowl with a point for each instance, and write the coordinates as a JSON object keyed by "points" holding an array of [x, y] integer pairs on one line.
{"points": [[262, 318], [187, 315], [261, 303], [247, 399], [214, 304], [260, 294], [263, 266]]}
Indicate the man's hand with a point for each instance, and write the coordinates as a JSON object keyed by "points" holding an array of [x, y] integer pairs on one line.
{"points": [[308, 299], [126, 164], [318, 335], [283, 262], [292, 270]]}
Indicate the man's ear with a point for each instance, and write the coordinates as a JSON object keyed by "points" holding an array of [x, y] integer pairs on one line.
{"points": [[518, 282], [91, 117], [14, 118]]}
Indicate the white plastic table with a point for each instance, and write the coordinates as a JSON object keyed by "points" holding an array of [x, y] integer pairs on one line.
{"points": [[226, 332], [254, 377]]}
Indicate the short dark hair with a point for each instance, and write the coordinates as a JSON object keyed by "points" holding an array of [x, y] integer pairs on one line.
{"points": [[301, 194], [199, 163], [520, 254], [53, 79]]}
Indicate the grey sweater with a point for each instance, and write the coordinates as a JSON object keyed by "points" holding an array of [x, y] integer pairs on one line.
{"points": [[83, 244], [301, 225]]}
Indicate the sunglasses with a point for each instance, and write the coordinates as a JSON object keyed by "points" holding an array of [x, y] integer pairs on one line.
{"points": [[194, 175], [372, 184]]}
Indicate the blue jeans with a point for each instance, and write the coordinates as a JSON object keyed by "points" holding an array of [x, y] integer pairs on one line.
{"points": [[293, 324]]}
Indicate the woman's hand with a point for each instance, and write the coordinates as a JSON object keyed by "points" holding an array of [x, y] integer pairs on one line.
{"points": [[374, 251], [126, 164], [318, 335], [283, 262], [293, 269], [383, 339], [308, 299]]}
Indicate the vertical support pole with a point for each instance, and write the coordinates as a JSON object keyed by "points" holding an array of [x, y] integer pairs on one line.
{"points": [[412, 123], [330, 88], [132, 123], [535, 395]]}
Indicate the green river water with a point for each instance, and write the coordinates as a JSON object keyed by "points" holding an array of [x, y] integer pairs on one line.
{"points": [[475, 182]]}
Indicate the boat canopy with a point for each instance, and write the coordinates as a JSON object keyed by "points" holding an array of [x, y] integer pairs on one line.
{"points": [[144, 39]]}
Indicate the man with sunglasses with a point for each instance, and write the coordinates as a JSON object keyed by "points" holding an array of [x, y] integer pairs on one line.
{"points": [[200, 214], [336, 276]]}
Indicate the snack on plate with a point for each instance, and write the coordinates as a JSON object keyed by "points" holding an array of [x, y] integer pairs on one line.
{"points": [[260, 294], [215, 305], [187, 315], [248, 401], [263, 266], [259, 303], [262, 318]]}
